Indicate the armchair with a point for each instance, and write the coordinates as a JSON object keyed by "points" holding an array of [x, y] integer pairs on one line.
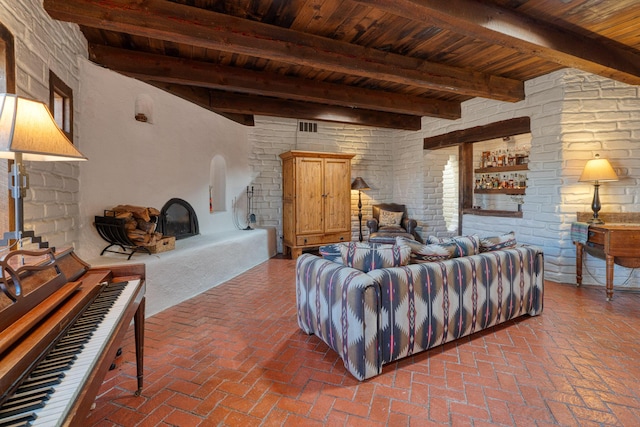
{"points": [[390, 221]]}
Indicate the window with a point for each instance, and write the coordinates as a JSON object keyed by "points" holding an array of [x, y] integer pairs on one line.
{"points": [[61, 104]]}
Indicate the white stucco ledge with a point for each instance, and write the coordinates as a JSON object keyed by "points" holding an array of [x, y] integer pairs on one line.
{"points": [[197, 264]]}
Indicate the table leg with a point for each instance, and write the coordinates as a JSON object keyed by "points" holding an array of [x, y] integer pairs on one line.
{"points": [[609, 277], [579, 256]]}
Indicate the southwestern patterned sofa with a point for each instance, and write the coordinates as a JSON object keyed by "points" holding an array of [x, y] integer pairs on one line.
{"points": [[376, 316]]}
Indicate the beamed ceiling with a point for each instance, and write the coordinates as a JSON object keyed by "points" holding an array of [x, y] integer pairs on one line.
{"points": [[382, 63]]}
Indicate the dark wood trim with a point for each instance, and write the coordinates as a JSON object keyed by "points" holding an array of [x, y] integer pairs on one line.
{"points": [[10, 59], [499, 129], [487, 212], [57, 85], [466, 182], [10, 78]]}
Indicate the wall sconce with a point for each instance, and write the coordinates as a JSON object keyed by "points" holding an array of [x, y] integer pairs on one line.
{"points": [[360, 185], [29, 132], [597, 170]]}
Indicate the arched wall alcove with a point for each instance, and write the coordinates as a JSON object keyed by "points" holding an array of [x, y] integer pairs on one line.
{"points": [[144, 109], [218, 184]]}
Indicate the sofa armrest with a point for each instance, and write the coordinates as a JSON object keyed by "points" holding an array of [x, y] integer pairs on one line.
{"points": [[341, 306], [410, 225], [372, 224]]}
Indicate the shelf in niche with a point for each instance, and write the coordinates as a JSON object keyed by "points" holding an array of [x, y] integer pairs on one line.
{"points": [[510, 191], [503, 169], [488, 212]]}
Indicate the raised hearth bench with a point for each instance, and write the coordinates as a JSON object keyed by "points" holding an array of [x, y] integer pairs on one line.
{"points": [[197, 264]]}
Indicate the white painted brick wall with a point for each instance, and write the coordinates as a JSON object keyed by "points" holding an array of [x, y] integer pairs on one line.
{"points": [[272, 136], [42, 44], [573, 116]]}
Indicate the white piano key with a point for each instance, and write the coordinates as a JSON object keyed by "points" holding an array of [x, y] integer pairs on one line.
{"points": [[66, 392]]}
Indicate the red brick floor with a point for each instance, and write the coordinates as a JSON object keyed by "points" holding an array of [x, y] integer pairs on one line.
{"points": [[235, 356]]}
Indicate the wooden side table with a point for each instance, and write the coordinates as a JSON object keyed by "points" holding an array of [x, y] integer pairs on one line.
{"points": [[616, 244]]}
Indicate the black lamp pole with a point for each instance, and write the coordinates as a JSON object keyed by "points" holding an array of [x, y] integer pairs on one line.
{"points": [[359, 184]]}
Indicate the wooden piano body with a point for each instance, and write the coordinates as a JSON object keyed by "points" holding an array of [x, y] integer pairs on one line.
{"points": [[42, 294]]}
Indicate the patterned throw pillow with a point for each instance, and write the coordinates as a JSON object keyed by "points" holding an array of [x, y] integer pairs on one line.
{"points": [[331, 252], [493, 243], [389, 218], [370, 256], [465, 245], [427, 253]]}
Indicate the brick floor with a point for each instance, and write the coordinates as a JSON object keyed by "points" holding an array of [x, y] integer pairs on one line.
{"points": [[234, 356]]}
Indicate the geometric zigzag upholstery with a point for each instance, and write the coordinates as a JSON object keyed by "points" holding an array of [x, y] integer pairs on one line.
{"points": [[371, 319]]}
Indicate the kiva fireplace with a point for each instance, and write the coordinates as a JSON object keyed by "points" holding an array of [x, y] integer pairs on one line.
{"points": [[177, 218]]}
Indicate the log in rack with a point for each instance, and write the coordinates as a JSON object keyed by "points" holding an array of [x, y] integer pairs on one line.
{"points": [[113, 230]]}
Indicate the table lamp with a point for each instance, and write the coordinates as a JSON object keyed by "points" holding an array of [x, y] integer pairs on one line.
{"points": [[597, 170], [29, 132], [360, 185]]}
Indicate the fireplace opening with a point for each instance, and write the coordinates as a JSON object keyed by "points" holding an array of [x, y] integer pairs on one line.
{"points": [[178, 219]]}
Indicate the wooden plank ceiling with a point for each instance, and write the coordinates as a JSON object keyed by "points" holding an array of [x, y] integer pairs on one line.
{"points": [[382, 63]]}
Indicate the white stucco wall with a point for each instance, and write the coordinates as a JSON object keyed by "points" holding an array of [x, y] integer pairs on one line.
{"points": [[147, 164]]}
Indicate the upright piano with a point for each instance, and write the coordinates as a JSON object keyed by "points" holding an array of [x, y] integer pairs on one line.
{"points": [[61, 327]]}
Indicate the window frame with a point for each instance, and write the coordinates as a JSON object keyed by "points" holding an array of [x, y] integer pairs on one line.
{"points": [[58, 88], [10, 87]]}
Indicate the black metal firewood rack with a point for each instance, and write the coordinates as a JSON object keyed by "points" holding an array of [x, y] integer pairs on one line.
{"points": [[113, 230]]}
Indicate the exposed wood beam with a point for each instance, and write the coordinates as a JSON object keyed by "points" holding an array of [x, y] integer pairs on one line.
{"points": [[160, 68], [237, 103], [504, 27], [500, 129], [183, 24], [200, 97]]}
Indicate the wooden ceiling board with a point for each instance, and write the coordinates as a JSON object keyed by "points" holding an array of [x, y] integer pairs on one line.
{"points": [[390, 47]]}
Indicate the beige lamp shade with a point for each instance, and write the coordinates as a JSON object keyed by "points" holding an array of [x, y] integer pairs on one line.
{"points": [[598, 170], [27, 127]]}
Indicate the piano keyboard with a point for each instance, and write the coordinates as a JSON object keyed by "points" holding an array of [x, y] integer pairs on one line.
{"points": [[46, 395]]}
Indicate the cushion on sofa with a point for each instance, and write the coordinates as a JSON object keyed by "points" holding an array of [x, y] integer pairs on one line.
{"points": [[331, 252], [370, 256], [390, 218], [494, 243], [427, 253], [465, 245]]}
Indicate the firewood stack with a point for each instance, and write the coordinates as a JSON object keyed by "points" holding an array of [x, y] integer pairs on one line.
{"points": [[140, 223]]}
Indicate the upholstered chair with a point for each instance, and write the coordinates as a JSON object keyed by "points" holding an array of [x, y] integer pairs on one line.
{"points": [[390, 221]]}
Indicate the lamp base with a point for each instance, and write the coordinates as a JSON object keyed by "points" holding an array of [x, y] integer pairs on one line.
{"points": [[17, 236], [595, 221]]}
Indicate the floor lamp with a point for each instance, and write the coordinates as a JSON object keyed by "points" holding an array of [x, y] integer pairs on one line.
{"points": [[28, 132], [597, 170], [360, 185]]}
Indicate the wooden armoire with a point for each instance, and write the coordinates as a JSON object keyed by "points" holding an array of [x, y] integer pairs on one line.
{"points": [[316, 205]]}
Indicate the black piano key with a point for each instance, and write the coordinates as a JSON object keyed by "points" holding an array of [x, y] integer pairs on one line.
{"points": [[53, 367], [19, 420], [59, 356], [27, 394], [26, 404], [65, 351], [40, 382], [36, 389]]}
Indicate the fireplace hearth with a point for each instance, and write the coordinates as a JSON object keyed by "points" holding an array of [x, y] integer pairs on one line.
{"points": [[178, 219]]}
